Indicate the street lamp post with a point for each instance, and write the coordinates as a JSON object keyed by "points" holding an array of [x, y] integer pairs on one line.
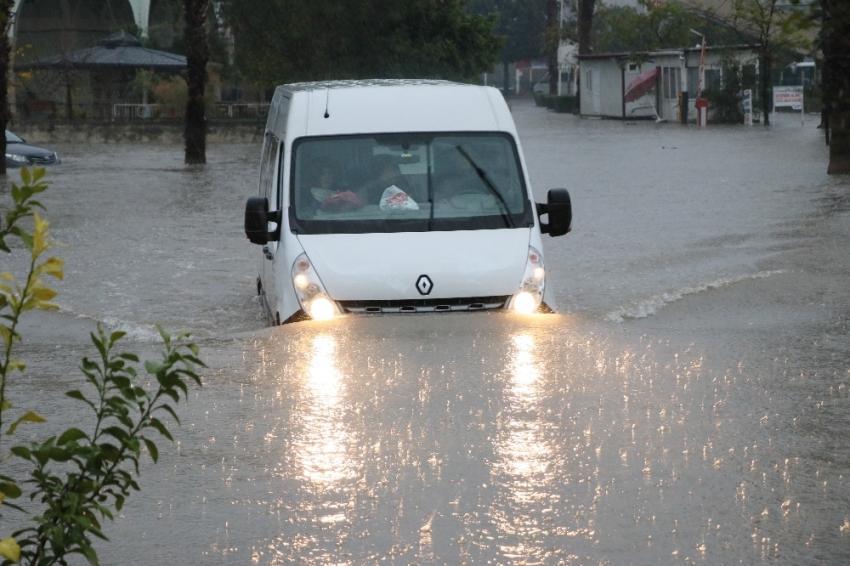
{"points": [[802, 93], [701, 105]]}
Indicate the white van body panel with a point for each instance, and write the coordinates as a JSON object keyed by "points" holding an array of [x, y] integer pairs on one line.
{"points": [[386, 266]]}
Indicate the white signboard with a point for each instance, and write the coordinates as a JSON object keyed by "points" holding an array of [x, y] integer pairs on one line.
{"points": [[748, 107], [788, 96]]}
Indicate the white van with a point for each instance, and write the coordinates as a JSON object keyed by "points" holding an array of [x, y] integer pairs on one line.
{"points": [[397, 196]]}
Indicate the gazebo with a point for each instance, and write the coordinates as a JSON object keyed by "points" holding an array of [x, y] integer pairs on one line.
{"points": [[110, 66]]}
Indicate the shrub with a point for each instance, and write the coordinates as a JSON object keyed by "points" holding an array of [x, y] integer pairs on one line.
{"points": [[565, 104], [96, 468]]}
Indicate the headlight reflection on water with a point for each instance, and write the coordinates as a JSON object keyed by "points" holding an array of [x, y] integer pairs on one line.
{"points": [[524, 454], [320, 446]]}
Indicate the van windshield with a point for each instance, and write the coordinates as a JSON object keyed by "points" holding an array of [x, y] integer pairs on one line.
{"points": [[407, 183]]}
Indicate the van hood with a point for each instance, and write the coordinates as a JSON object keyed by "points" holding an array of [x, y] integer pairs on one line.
{"points": [[386, 267]]}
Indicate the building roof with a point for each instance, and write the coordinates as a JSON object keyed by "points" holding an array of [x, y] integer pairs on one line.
{"points": [[662, 52], [118, 51]]}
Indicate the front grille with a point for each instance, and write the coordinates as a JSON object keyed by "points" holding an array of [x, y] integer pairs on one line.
{"points": [[413, 306], [47, 160]]}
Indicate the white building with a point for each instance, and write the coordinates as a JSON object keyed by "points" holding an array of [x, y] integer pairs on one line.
{"points": [[606, 76]]}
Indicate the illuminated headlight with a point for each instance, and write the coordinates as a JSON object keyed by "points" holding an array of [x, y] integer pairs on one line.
{"points": [[530, 294], [310, 291], [23, 160]]}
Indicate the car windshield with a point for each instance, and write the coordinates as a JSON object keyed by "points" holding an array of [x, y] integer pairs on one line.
{"points": [[12, 138], [407, 183]]}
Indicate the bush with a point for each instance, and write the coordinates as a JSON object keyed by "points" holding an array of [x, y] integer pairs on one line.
{"points": [[540, 99], [98, 467], [550, 101], [565, 104]]}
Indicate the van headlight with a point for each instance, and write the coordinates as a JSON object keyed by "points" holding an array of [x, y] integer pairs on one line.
{"points": [[530, 294], [310, 291]]}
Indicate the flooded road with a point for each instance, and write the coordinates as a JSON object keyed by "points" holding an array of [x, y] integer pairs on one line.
{"points": [[690, 403]]}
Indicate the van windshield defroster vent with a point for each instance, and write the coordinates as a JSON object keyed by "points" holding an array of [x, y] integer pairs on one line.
{"points": [[424, 305]]}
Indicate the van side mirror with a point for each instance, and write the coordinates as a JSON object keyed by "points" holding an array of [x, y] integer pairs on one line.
{"points": [[257, 218], [560, 211]]}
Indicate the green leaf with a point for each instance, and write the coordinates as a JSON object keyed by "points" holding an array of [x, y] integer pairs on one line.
{"points": [[157, 424], [152, 449], [58, 454], [21, 452], [30, 417], [75, 394], [117, 335], [70, 435], [10, 550], [154, 368], [10, 490], [90, 555]]}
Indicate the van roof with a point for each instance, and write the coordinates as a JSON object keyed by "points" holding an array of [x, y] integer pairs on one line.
{"points": [[354, 107], [322, 85]]}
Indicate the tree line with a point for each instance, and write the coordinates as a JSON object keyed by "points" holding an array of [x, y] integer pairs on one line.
{"points": [[278, 41]]}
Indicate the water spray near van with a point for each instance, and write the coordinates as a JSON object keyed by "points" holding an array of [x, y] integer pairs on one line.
{"points": [[397, 196]]}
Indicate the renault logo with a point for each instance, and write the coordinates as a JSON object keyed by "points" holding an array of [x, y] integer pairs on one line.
{"points": [[424, 285]]}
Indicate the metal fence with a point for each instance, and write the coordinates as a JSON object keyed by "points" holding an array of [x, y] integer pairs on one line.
{"points": [[139, 112], [133, 111], [242, 109]]}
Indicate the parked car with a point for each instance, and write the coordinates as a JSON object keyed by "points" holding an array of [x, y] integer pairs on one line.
{"points": [[20, 154], [541, 86]]}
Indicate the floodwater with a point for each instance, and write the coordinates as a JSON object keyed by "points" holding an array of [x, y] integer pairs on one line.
{"points": [[690, 404]]}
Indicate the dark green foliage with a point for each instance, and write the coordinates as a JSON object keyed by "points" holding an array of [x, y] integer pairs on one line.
{"points": [[665, 25], [281, 41], [565, 104], [521, 23]]}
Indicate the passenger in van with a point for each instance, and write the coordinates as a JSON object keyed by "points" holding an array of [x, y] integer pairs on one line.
{"points": [[385, 173], [323, 191]]}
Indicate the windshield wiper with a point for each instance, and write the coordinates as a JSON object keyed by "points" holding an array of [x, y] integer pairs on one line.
{"points": [[509, 221]]}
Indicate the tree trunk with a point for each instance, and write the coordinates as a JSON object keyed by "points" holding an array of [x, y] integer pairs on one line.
{"points": [[196, 78], [69, 101], [764, 86], [506, 87], [5, 59], [553, 23], [585, 26], [836, 83]]}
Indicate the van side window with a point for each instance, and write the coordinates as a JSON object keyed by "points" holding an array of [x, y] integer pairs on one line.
{"points": [[267, 178]]}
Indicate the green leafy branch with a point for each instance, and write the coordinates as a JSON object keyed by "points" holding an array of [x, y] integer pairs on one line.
{"points": [[80, 478], [125, 416]]}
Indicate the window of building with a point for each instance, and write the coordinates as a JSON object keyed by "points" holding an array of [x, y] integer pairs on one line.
{"points": [[671, 79]]}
